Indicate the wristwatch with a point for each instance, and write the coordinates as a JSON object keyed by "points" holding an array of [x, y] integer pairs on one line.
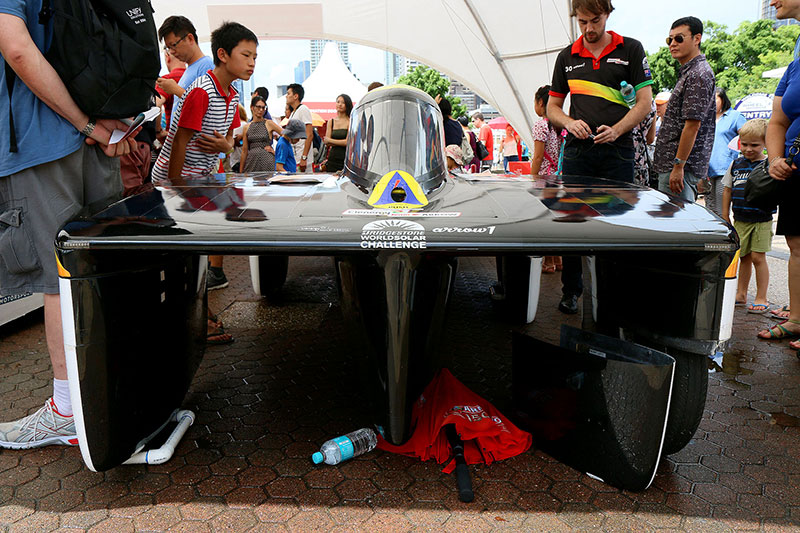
{"points": [[304, 157], [677, 161], [89, 128]]}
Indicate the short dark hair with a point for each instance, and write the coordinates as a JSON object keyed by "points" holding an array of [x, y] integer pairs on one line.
{"points": [[297, 89], [726, 102], [263, 92], [445, 107], [597, 7], [478, 116], [227, 37], [464, 121], [348, 103], [374, 85], [178, 25], [694, 23], [542, 94]]}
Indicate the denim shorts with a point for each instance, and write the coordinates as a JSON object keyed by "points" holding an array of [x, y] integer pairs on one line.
{"points": [[36, 202]]}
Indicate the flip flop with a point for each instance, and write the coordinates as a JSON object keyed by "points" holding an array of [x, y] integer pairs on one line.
{"points": [[740, 303], [758, 309], [782, 313], [778, 332], [218, 337], [795, 345]]}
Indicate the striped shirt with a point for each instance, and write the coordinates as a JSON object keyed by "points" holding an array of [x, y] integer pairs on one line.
{"points": [[204, 109]]}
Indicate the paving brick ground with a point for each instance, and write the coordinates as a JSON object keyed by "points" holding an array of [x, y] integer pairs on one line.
{"points": [[266, 402]]}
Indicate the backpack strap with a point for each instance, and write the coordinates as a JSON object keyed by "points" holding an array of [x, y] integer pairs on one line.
{"points": [[11, 76]]}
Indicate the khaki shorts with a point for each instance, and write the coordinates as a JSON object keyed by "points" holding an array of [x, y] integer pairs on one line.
{"points": [[754, 236], [36, 202]]}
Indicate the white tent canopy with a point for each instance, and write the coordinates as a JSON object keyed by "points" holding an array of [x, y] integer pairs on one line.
{"points": [[503, 51], [330, 79]]}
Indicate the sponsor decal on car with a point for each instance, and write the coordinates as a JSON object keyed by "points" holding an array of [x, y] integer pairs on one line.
{"points": [[396, 234], [399, 213], [488, 229]]}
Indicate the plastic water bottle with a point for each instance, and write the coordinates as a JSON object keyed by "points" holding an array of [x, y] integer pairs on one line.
{"points": [[346, 447], [628, 93]]}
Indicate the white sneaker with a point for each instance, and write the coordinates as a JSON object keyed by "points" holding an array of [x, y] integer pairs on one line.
{"points": [[42, 428]]}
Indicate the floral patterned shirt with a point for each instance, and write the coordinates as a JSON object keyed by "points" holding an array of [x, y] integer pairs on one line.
{"points": [[542, 132]]}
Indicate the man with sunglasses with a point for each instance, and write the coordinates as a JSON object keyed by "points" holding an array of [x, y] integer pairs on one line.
{"points": [[686, 137], [599, 123]]}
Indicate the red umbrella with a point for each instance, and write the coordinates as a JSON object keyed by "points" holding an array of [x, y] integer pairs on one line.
{"points": [[498, 123], [488, 435]]}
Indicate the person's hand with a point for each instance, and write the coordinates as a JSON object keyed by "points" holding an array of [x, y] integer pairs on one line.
{"points": [[102, 135], [269, 149], [779, 169], [169, 86], [302, 165], [327, 140], [606, 134], [213, 145], [676, 180], [579, 129]]}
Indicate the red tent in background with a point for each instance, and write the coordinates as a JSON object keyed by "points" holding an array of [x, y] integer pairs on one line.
{"points": [[488, 435]]}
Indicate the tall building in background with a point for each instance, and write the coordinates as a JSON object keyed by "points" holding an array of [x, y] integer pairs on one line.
{"points": [[410, 64], [302, 71], [468, 98], [394, 67], [318, 45], [768, 12]]}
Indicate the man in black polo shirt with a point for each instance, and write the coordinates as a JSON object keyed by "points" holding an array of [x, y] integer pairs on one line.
{"points": [[599, 123]]}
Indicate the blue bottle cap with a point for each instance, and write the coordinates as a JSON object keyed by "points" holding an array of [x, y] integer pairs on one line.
{"points": [[317, 458]]}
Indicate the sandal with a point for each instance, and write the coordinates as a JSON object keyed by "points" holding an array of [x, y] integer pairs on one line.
{"points": [[218, 337], [778, 331], [795, 345], [548, 269], [758, 309], [781, 313]]}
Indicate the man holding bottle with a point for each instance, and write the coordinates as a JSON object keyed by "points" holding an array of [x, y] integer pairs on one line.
{"points": [[599, 144]]}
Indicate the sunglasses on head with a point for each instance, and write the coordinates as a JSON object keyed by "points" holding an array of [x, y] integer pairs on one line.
{"points": [[678, 39]]}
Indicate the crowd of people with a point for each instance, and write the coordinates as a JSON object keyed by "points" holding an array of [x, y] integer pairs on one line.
{"points": [[673, 141]]}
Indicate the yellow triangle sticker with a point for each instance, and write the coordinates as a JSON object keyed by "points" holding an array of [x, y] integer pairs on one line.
{"points": [[397, 190]]}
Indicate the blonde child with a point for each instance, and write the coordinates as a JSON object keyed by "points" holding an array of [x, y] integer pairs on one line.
{"points": [[753, 225]]}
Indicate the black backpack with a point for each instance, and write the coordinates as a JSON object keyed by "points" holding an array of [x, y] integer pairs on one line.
{"points": [[105, 51]]}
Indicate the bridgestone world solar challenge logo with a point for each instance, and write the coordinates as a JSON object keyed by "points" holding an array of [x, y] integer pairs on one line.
{"points": [[397, 234]]}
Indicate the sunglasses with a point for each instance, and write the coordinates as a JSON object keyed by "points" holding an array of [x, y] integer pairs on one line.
{"points": [[261, 107], [678, 39]]}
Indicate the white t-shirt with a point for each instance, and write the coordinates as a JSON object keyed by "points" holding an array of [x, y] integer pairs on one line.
{"points": [[303, 114]]}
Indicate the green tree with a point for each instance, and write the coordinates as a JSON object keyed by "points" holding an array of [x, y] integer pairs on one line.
{"points": [[434, 83], [738, 58]]}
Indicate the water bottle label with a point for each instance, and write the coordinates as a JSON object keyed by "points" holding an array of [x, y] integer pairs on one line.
{"points": [[345, 447]]}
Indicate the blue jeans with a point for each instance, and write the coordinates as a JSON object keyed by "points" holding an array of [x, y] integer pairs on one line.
{"points": [[584, 158], [507, 158], [689, 191]]}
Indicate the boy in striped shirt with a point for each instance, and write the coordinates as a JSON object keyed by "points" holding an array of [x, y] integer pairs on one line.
{"points": [[209, 106]]}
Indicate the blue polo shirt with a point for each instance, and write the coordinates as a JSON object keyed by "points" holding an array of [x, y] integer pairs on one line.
{"points": [[789, 89], [284, 154], [42, 135], [728, 127]]}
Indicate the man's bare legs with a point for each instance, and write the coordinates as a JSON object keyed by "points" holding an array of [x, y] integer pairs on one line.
{"points": [[55, 335]]}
